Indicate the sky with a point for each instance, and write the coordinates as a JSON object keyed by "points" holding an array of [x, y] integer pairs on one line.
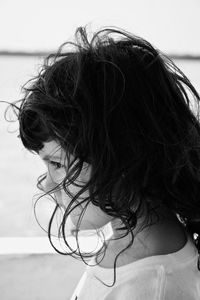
{"points": [[43, 25]]}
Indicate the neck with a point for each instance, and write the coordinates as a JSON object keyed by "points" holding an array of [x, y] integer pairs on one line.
{"points": [[166, 236]]}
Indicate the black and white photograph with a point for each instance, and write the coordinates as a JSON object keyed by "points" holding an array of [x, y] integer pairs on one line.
{"points": [[99, 150]]}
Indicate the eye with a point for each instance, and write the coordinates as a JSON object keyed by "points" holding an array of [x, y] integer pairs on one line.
{"points": [[56, 164]]}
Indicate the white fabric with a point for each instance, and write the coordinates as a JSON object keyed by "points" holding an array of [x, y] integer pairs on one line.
{"points": [[163, 277]]}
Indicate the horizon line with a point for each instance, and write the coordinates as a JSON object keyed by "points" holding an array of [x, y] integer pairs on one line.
{"points": [[46, 53]]}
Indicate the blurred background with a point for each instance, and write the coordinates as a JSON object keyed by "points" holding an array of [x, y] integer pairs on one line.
{"points": [[31, 29]]}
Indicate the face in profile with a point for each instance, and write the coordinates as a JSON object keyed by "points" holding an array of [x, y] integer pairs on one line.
{"points": [[54, 158]]}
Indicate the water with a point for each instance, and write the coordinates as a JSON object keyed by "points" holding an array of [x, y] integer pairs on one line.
{"points": [[20, 169]]}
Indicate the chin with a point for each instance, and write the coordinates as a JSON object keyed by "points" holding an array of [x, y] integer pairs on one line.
{"points": [[83, 225]]}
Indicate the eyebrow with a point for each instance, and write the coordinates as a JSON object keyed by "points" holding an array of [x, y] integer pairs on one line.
{"points": [[50, 157]]}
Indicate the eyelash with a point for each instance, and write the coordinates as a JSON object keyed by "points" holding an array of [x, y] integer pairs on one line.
{"points": [[57, 165]]}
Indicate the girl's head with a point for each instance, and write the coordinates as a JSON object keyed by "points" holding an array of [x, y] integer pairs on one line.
{"points": [[118, 115], [54, 158]]}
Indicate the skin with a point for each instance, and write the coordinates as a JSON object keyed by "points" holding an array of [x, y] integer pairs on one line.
{"points": [[165, 237], [94, 217]]}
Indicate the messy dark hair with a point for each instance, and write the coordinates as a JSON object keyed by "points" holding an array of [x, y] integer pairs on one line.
{"points": [[123, 107]]}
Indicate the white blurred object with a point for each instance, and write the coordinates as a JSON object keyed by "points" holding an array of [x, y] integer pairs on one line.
{"points": [[88, 242]]}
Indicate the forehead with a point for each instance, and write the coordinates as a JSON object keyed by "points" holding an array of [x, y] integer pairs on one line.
{"points": [[51, 149]]}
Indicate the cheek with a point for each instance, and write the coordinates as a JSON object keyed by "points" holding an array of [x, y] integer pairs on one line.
{"points": [[58, 175], [64, 200], [85, 173], [93, 217]]}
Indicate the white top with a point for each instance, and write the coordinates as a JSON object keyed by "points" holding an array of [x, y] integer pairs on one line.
{"points": [[173, 276]]}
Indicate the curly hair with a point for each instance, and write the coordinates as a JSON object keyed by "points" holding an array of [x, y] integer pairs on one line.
{"points": [[122, 106]]}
